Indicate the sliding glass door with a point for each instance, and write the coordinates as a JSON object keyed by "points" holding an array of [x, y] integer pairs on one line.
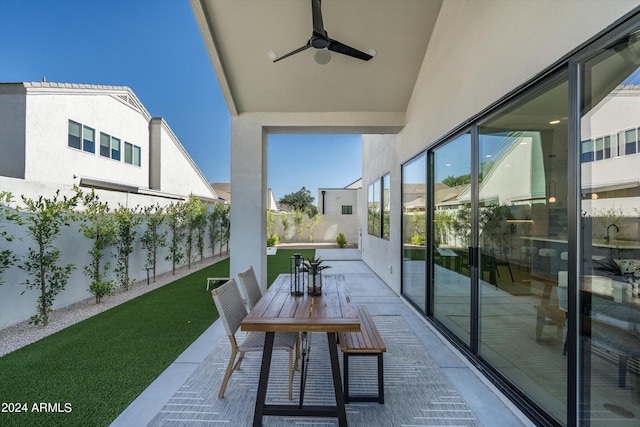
{"points": [[523, 252], [414, 203], [451, 235], [610, 234]]}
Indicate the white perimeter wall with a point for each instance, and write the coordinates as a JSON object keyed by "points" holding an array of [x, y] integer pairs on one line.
{"points": [[479, 51], [15, 307]]}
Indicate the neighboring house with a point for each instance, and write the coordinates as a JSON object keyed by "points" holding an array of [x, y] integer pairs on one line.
{"points": [[340, 201], [340, 212], [55, 135]]}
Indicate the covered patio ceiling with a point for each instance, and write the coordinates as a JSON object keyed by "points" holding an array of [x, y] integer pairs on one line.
{"points": [[240, 34]]}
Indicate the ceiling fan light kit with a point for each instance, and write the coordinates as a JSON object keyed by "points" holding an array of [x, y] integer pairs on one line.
{"points": [[320, 40]]}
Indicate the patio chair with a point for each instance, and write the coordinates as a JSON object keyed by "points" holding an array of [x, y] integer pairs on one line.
{"points": [[232, 311], [249, 283]]}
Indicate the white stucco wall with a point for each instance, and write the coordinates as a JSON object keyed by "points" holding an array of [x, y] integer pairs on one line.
{"points": [[179, 174], [12, 130], [334, 198], [478, 53], [50, 159]]}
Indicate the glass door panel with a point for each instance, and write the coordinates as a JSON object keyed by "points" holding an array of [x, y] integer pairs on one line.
{"points": [[414, 202], [522, 243], [451, 231], [610, 236]]}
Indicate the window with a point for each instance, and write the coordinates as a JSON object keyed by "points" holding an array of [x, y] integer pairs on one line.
{"points": [[386, 206], [587, 151], [373, 208], [88, 139], [115, 148], [105, 142], [128, 153], [630, 142], [74, 134], [136, 155], [347, 210]]}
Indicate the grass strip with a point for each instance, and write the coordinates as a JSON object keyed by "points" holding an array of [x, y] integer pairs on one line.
{"points": [[279, 263]]}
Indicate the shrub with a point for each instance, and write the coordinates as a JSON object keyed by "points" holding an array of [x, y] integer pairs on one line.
{"points": [[341, 240], [273, 240]]}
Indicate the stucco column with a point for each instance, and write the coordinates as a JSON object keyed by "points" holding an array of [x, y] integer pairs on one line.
{"points": [[248, 197]]}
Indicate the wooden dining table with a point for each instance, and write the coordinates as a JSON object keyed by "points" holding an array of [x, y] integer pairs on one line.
{"points": [[280, 311]]}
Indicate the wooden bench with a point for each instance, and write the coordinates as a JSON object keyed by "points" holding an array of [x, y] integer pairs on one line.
{"points": [[367, 342]]}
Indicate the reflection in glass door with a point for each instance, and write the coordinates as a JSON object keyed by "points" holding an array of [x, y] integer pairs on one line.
{"points": [[610, 235], [451, 233], [414, 202], [522, 241]]}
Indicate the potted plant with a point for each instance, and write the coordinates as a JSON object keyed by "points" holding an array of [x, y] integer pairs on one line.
{"points": [[313, 268]]}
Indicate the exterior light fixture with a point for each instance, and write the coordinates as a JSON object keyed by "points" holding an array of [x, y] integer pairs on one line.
{"points": [[296, 275]]}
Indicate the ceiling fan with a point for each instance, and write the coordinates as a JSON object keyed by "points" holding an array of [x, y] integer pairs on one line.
{"points": [[320, 40]]}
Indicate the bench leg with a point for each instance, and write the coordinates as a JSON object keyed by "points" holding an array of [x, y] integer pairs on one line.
{"points": [[380, 397], [380, 379]]}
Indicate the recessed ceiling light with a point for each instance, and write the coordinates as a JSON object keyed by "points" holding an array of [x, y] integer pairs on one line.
{"points": [[448, 164], [272, 55], [372, 52], [554, 122], [488, 156]]}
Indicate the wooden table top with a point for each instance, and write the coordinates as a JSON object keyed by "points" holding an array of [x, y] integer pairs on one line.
{"points": [[279, 311]]}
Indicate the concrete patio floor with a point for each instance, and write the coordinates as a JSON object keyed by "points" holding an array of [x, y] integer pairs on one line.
{"points": [[487, 406]]}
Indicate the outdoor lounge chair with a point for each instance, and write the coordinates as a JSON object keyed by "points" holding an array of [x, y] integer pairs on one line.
{"points": [[232, 311]]}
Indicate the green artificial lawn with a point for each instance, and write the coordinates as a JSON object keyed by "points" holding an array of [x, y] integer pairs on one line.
{"points": [[279, 263], [100, 365], [88, 373]]}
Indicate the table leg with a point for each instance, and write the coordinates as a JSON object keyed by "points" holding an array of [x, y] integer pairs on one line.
{"points": [[337, 382], [264, 379]]}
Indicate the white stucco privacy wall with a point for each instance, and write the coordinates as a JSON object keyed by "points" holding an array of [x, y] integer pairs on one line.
{"points": [[478, 53]]}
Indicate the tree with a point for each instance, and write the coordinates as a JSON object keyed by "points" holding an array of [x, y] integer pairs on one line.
{"points": [[194, 216], [314, 219], [300, 200], [298, 219], [175, 221], [153, 239], [284, 220], [96, 224], [7, 257], [126, 220], [454, 181], [201, 228], [45, 218], [225, 226]]}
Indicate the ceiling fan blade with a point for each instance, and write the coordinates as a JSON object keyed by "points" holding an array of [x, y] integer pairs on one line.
{"points": [[316, 14], [300, 49], [336, 46]]}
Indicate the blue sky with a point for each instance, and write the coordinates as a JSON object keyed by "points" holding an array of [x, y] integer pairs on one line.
{"points": [[155, 48]]}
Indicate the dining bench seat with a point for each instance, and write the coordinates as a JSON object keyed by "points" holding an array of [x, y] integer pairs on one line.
{"points": [[367, 342]]}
